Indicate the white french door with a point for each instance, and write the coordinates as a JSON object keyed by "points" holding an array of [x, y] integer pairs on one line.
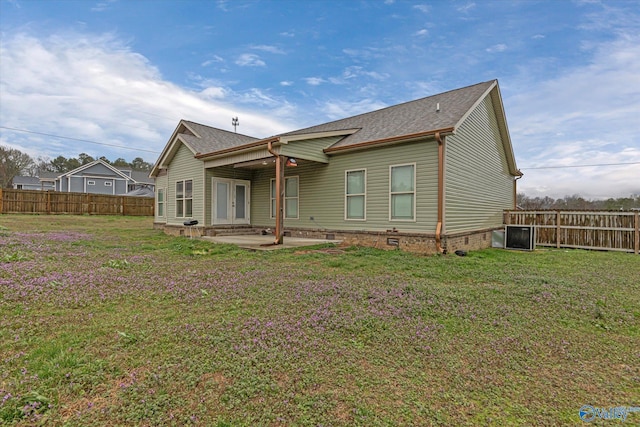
{"points": [[230, 198]]}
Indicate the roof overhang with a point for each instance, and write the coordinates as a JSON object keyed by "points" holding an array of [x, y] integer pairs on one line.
{"points": [[389, 141]]}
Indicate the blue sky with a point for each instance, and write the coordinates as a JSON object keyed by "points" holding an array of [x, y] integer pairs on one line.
{"points": [[123, 73]]}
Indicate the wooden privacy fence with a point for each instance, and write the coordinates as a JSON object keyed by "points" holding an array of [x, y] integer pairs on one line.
{"points": [[606, 230], [53, 202]]}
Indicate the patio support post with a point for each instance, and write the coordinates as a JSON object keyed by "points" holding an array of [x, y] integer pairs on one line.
{"points": [[280, 195], [279, 200]]}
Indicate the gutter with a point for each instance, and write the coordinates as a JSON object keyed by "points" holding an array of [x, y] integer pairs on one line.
{"points": [[440, 192], [515, 190]]}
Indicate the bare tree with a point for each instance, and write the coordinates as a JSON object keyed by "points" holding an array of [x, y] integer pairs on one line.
{"points": [[13, 162]]}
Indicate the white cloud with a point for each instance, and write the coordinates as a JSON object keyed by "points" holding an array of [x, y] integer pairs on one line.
{"points": [[102, 6], [338, 109], [584, 116], [500, 47], [354, 73], [286, 83], [466, 8], [422, 32], [213, 93], [424, 8], [268, 48], [94, 87], [214, 60], [250, 60], [314, 81]]}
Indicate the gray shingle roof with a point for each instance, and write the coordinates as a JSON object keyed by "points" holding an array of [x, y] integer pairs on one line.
{"points": [[405, 119], [141, 177], [26, 180], [213, 139]]}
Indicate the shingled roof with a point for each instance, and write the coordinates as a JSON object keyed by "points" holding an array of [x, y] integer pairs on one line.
{"points": [[209, 139], [441, 112], [409, 118]]}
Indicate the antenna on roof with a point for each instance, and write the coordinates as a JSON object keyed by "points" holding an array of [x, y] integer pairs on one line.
{"points": [[235, 122]]}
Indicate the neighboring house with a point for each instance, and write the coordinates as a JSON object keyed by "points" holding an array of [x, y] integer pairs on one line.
{"points": [[428, 175], [48, 180], [31, 183], [99, 177], [142, 183], [96, 177]]}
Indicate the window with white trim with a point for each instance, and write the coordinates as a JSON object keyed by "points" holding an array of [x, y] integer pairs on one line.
{"points": [[355, 198], [91, 183], [184, 198], [108, 184], [402, 192], [160, 202], [290, 197]]}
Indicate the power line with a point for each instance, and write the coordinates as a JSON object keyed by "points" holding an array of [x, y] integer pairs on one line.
{"points": [[80, 140], [583, 166]]}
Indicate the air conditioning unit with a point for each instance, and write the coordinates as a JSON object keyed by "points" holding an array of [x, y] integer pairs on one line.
{"points": [[521, 237]]}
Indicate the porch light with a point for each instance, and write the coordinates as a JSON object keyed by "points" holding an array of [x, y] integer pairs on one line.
{"points": [[291, 162]]}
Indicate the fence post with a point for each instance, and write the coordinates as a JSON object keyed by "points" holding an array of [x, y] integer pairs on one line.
{"points": [[123, 206], [636, 249], [557, 229], [1, 206]]}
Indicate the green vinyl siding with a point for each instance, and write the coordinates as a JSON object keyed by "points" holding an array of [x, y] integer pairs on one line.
{"points": [[161, 183], [322, 189], [310, 149], [184, 167], [478, 185]]}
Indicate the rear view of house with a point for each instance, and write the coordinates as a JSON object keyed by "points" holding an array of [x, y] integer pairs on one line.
{"points": [[428, 175]]}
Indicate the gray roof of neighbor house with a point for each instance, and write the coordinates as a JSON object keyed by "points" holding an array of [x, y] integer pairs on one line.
{"points": [[413, 117], [48, 175], [141, 192], [26, 180], [141, 177], [211, 139]]}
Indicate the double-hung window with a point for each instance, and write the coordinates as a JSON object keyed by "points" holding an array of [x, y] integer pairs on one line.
{"points": [[355, 194], [160, 210], [184, 198], [290, 197], [402, 192]]}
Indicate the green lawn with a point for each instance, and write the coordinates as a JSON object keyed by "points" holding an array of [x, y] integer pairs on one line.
{"points": [[105, 321]]}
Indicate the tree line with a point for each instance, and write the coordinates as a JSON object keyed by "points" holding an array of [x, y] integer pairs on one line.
{"points": [[14, 162], [577, 202]]}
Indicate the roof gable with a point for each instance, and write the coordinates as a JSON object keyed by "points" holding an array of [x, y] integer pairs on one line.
{"points": [[433, 113], [100, 164], [199, 139]]}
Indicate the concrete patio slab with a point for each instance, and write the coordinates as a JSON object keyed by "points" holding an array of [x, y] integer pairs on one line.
{"points": [[264, 243]]}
